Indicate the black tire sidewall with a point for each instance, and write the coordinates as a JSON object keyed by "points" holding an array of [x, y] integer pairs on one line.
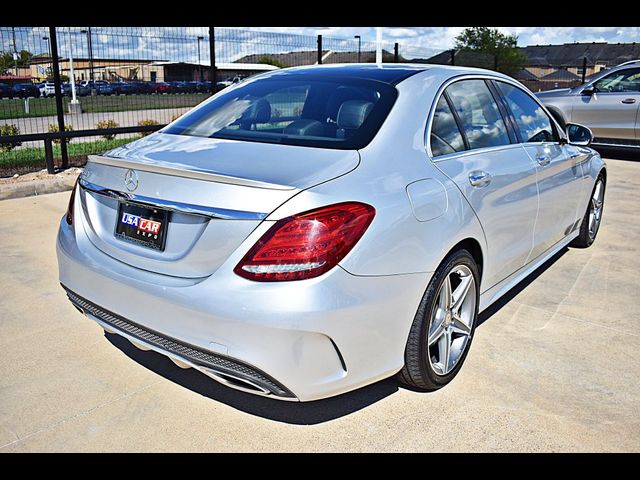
{"points": [[460, 257], [584, 240]]}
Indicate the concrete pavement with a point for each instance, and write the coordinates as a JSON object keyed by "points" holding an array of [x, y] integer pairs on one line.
{"points": [[555, 368]]}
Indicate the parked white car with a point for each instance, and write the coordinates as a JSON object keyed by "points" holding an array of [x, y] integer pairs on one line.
{"points": [[47, 89]]}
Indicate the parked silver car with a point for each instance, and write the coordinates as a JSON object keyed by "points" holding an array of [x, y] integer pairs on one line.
{"points": [[609, 104], [315, 229]]}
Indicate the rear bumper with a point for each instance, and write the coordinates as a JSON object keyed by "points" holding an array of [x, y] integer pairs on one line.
{"points": [[223, 369], [311, 339]]}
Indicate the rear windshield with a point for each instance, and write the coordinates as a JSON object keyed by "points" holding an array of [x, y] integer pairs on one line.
{"points": [[341, 113]]}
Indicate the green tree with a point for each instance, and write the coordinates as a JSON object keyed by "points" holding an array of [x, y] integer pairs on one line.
{"points": [[7, 62], [493, 42], [267, 60]]}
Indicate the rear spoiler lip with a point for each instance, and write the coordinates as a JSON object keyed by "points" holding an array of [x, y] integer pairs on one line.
{"points": [[176, 171]]}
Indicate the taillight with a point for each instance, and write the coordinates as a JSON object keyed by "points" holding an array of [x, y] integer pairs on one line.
{"points": [[307, 244], [69, 216]]}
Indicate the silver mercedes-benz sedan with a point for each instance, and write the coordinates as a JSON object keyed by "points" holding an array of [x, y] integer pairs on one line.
{"points": [[608, 104], [313, 230]]}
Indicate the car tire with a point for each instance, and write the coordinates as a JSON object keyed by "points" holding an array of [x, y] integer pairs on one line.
{"points": [[590, 225], [425, 367]]}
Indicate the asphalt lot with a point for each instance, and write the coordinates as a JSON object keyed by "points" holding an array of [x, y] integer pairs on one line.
{"points": [[554, 367]]}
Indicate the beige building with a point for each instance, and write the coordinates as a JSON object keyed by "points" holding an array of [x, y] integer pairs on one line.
{"points": [[111, 70], [114, 70]]}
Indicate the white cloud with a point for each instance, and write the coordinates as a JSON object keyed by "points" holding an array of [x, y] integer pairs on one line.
{"points": [[179, 43], [401, 32]]}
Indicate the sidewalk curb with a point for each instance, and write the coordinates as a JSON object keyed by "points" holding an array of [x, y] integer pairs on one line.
{"points": [[36, 187]]}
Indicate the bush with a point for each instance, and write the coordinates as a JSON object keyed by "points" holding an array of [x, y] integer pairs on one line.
{"points": [[266, 59], [103, 124], [9, 129], [53, 128], [176, 116], [148, 121]]}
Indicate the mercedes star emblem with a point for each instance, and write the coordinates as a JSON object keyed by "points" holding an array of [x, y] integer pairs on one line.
{"points": [[131, 180]]}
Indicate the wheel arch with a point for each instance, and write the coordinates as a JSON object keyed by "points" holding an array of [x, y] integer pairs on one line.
{"points": [[474, 248], [597, 166], [603, 172]]}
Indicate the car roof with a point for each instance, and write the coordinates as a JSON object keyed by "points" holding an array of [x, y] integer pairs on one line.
{"points": [[392, 73]]}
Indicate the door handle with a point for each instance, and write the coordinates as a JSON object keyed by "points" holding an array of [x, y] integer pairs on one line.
{"points": [[543, 160], [629, 100], [479, 179]]}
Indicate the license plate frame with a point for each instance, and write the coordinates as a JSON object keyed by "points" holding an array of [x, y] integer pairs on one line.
{"points": [[132, 233]]}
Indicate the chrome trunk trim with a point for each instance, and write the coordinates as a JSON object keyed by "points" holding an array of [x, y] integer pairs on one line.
{"points": [[210, 212]]}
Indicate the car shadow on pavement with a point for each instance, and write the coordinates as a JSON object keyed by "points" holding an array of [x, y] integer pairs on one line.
{"points": [[617, 153], [307, 413]]}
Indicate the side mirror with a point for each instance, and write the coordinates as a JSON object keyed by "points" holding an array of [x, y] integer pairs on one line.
{"points": [[589, 91], [578, 135]]}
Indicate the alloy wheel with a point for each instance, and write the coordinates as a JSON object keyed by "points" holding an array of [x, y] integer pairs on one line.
{"points": [[451, 321], [595, 208]]}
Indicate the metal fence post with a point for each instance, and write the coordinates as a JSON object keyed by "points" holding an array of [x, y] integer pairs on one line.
{"points": [[90, 53], [453, 56], [212, 54], [396, 56], [319, 49], [48, 156], [584, 69], [58, 88]]}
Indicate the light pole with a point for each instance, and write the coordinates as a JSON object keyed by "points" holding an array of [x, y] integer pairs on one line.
{"points": [[74, 105], [359, 43], [46, 39], [199, 64], [90, 49], [15, 49]]}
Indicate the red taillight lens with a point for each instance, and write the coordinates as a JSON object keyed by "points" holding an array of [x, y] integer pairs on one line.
{"points": [[306, 245], [72, 198]]}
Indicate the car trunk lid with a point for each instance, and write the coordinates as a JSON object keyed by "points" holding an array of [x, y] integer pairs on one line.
{"points": [[218, 192]]}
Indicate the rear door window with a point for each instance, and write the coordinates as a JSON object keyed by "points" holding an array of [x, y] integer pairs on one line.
{"points": [[445, 135], [479, 115]]}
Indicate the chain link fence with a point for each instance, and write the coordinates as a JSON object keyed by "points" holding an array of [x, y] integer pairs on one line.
{"points": [[67, 92]]}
